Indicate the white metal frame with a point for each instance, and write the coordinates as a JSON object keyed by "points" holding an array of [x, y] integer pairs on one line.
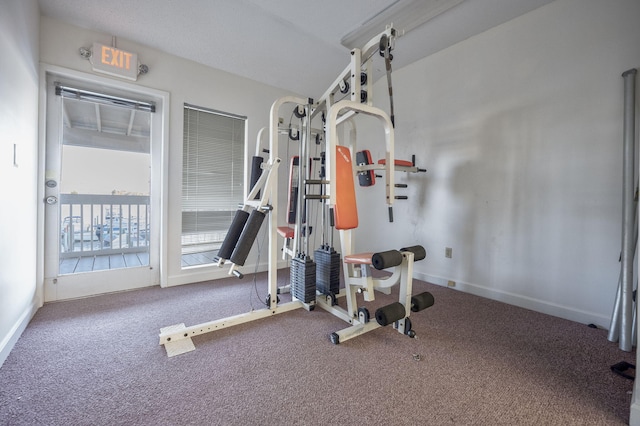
{"points": [[360, 280], [172, 337]]}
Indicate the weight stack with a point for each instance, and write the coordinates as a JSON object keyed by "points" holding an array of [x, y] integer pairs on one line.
{"points": [[327, 270], [303, 278]]}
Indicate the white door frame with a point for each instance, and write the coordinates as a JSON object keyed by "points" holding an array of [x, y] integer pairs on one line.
{"points": [[159, 184]]}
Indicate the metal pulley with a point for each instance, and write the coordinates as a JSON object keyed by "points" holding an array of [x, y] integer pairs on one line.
{"points": [[344, 86]]}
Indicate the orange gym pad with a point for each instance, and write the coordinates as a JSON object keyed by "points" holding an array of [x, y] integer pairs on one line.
{"points": [[346, 210], [402, 163]]}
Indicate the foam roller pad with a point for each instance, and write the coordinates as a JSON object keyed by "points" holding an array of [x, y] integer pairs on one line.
{"points": [[386, 259], [247, 237], [231, 239], [419, 252], [256, 172], [421, 301], [390, 313]]}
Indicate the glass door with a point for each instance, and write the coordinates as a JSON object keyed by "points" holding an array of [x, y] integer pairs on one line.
{"points": [[99, 233]]}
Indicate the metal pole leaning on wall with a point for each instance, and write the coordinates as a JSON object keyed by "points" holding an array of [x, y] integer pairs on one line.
{"points": [[628, 239], [614, 327]]}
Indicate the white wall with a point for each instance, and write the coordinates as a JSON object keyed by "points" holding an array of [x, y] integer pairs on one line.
{"points": [[19, 128], [187, 82], [520, 129]]}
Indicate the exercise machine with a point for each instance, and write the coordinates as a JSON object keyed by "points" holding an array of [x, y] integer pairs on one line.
{"points": [[315, 275]]}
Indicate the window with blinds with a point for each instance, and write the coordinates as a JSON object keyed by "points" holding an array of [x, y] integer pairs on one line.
{"points": [[212, 179]]}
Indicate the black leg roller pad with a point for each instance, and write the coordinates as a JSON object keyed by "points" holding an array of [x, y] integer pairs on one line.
{"points": [[421, 301], [386, 259], [233, 235], [419, 252], [247, 237], [390, 313]]}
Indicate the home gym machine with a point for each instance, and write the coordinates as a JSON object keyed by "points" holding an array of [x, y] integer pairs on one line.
{"points": [[315, 276]]}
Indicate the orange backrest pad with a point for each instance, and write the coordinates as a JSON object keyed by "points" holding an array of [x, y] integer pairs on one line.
{"points": [[346, 210], [403, 163]]}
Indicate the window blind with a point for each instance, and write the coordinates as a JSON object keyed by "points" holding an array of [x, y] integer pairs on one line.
{"points": [[212, 174]]}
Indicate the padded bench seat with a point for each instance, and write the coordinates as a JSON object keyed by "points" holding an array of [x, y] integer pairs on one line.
{"points": [[286, 232], [359, 259]]}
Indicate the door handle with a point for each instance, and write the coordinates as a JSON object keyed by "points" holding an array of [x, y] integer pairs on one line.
{"points": [[51, 200]]}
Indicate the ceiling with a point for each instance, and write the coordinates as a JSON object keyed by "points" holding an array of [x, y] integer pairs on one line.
{"points": [[96, 125], [290, 44]]}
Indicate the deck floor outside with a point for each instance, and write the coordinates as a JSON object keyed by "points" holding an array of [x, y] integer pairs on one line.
{"points": [[126, 260]]}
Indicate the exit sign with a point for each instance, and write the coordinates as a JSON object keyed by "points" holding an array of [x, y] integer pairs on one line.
{"points": [[114, 61]]}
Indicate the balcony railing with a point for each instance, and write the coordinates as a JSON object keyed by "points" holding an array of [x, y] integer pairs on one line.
{"points": [[103, 224]]}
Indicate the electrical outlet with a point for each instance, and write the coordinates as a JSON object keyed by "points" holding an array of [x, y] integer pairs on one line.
{"points": [[451, 283], [448, 252]]}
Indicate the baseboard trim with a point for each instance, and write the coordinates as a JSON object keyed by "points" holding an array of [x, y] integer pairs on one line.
{"points": [[533, 304], [10, 340], [634, 414]]}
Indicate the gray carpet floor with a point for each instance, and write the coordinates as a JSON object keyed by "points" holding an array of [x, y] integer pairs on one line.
{"points": [[97, 361]]}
